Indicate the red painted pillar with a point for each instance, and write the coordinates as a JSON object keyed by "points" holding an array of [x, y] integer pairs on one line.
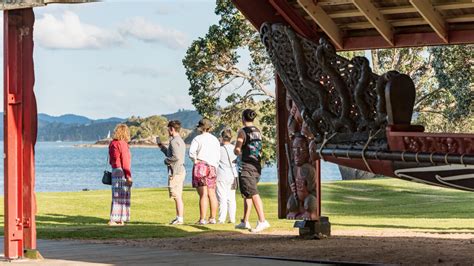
{"points": [[19, 131], [282, 140], [30, 127]]}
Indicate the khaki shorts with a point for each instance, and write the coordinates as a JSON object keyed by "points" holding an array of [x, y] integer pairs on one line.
{"points": [[175, 185]]}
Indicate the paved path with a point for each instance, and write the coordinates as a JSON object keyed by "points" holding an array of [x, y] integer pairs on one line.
{"points": [[78, 253]]}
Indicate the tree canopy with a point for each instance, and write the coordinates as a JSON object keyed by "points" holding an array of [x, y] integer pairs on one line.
{"points": [[228, 71]]}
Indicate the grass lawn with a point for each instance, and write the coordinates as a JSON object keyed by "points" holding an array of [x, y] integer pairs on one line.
{"points": [[378, 204]]}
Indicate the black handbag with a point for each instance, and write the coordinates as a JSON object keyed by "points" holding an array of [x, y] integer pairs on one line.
{"points": [[107, 177]]}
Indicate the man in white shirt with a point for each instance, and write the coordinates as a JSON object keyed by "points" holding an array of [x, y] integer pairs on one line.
{"points": [[205, 153]]}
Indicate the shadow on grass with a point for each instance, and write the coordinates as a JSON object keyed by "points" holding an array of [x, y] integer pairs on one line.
{"points": [[52, 219], [59, 226]]}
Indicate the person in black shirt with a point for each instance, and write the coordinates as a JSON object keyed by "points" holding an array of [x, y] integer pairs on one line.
{"points": [[249, 148]]}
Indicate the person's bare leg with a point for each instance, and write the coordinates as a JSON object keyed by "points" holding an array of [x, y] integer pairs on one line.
{"points": [[179, 206], [203, 202], [247, 209], [213, 200], [257, 202]]}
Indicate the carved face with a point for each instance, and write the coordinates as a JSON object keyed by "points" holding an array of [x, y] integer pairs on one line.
{"points": [[300, 150]]}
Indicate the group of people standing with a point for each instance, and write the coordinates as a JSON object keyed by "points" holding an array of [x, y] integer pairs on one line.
{"points": [[219, 168]]}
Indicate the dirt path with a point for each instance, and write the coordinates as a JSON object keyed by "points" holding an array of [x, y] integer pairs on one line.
{"points": [[365, 246]]}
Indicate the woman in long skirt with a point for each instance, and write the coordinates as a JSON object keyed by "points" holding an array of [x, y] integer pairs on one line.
{"points": [[120, 160]]}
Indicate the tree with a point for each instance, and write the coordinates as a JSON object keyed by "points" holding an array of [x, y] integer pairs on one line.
{"points": [[443, 78], [220, 86]]}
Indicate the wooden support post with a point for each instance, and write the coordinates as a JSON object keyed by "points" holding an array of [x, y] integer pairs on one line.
{"points": [[282, 140], [20, 133], [318, 185]]}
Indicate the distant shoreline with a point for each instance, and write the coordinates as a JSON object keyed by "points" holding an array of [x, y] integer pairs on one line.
{"points": [[92, 145], [147, 146]]}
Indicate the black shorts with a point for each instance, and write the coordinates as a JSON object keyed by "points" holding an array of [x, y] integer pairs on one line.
{"points": [[248, 180]]}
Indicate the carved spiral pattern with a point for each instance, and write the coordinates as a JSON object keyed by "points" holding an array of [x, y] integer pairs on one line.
{"points": [[334, 94]]}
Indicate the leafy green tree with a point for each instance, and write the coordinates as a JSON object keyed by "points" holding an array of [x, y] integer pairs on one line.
{"points": [[443, 77], [142, 128], [222, 84]]}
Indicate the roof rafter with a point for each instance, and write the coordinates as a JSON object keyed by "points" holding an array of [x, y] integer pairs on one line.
{"points": [[323, 20], [400, 9], [434, 19], [376, 18]]}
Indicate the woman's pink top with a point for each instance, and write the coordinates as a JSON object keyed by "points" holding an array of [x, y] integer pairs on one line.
{"points": [[120, 157]]}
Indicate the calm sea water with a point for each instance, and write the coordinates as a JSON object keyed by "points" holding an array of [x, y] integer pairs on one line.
{"points": [[64, 167]]}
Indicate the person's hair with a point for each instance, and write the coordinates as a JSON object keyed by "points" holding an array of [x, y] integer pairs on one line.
{"points": [[121, 132], [175, 124], [248, 115], [226, 134]]}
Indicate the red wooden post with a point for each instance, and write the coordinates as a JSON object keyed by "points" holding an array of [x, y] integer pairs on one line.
{"points": [[318, 185], [19, 131], [30, 127], [282, 140]]}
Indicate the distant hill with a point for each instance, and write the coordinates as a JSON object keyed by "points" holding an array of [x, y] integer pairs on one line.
{"points": [[189, 119], [71, 127], [65, 119], [76, 119]]}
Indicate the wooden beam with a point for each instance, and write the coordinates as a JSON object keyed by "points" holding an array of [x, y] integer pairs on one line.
{"points": [[434, 19], [376, 18], [297, 22], [408, 40], [333, 2], [407, 22], [258, 12], [323, 20], [398, 10]]}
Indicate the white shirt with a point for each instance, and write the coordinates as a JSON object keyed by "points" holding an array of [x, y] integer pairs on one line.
{"points": [[205, 147], [227, 171]]}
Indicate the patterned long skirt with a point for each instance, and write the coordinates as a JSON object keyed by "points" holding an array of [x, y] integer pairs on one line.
{"points": [[120, 208]]}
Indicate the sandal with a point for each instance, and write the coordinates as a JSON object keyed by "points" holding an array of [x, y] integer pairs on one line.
{"points": [[112, 223]]}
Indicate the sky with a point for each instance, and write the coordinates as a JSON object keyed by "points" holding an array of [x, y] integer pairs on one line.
{"points": [[116, 58]]}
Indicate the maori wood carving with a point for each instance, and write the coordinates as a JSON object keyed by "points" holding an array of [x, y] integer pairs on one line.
{"points": [[354, 117]]}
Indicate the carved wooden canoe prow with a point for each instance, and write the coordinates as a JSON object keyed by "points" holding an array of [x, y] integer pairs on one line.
{"points": [[356, 118]]}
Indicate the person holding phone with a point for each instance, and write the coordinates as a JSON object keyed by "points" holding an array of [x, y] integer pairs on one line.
{"points": [[175, 153]]}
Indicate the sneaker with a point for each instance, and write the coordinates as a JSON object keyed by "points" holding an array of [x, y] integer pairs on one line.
{"points": [[212, 221], [176, 221], [243, 225], [261, 226], [201, 222]]}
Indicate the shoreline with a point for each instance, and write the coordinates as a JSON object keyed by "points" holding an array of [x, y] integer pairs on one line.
{"points": [[150, 146], [147, 146]]}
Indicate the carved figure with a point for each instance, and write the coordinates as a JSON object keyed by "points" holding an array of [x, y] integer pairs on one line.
{"points": [[294, 119], [303, 202]]}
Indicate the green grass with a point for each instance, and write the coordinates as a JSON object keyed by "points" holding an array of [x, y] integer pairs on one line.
{"points": [[373, 204]]}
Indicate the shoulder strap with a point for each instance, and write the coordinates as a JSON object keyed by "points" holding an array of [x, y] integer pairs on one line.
{"points": [[228, 158], [108, 160]]}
